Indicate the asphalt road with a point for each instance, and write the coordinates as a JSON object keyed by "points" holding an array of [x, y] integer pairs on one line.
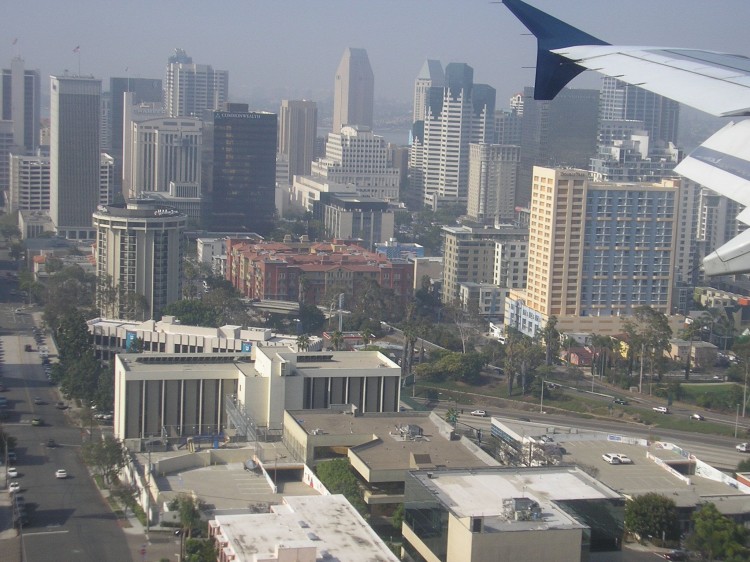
{"points": [[69, 519]]}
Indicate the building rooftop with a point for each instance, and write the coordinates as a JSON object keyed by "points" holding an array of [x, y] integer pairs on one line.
{"points": [[308, 362], [491, 492], [329, 524]]}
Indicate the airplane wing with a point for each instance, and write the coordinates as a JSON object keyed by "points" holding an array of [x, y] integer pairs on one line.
{"points": [[717, 83]]}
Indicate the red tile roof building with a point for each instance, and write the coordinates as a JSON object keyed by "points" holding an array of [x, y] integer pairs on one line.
{"points": [[307, 271]]}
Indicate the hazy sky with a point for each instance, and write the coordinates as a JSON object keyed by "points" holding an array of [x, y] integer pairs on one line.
{"points": [[291, 48]]}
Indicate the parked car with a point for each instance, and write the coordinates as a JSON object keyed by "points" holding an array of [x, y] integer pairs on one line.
{"points": [[624, 459], [61, 473], [479, 413], [697, 416], [14, 487], [51, 443], [36, 421], [12, 472], [611, 458], [61, 405], [743, 447], [38, 401]]}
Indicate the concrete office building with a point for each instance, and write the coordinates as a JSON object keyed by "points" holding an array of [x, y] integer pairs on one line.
{"points": [[469, 255], [356, 218], [493, 173], [560, 132], [298, 126], [458, 114], [353, 90], [191, 88], [29, 183], [74, 154], [165, 151], [138, 259], [358, 157], [431, 75], [106, 179], [241, 193], [596, 250], [140, 90], [20, 100], [507, 514], [105, 122], [134, 113], [175, 395], [6, 148]]}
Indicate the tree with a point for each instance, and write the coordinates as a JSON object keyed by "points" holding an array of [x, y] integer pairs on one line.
{"points": [[551, 339], [337, 477], [398, 517], [107, 456], [451, 416], [303, 342], [652, 515], [193, 313], [311, 318], [337, 340], [200, 550], [716, 536], [648, 334]]}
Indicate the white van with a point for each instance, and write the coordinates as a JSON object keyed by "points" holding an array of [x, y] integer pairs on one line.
{"points": [[661, 409]]}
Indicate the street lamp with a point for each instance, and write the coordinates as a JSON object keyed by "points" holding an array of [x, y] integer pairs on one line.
{"points": [[541, 402], [736, 421]]}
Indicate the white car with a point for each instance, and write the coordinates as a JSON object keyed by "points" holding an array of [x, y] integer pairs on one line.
{"points": [[14, 487], [743, 447], [479, 413], [61, 473], [624, 459], [12, 472], [617, 458]]}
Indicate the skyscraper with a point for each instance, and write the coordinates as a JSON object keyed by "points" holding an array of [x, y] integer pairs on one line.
{"points": [[298, 125], [354, 90], [243, 180], [74, 154], [458, 114], [561, 132], [660, 115], [142, 90], [20, 95], [493, 171], [596, 250], [192, 88], [138, 259], [431, 75]]}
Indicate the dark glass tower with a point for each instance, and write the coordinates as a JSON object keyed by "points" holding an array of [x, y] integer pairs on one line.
{"points": [[243, 179]]}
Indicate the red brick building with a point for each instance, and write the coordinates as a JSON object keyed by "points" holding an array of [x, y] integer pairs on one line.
{"points": [[307, 271]]}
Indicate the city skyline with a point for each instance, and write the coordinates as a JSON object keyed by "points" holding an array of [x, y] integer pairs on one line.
{"points": [[271, 55]]}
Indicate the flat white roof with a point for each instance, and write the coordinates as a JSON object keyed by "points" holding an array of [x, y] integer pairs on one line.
{"points": [[328, 523]]}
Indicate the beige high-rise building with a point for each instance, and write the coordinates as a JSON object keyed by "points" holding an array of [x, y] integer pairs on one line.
{"points": [[596, 250], [138, 259]]}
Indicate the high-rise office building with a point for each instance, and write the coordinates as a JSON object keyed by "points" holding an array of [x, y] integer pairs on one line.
{"points": [[458, 114], [142, 90], [105, 122], [74, 154], [660, 115], [298, 126], [164, 151], [493, 172], [243, 179], [355, 156], [354, 90], [561, 132], [20, 99], [134, 113], [138, 259], [596, 250], [192, 88], [29, 183], [431, 75]]}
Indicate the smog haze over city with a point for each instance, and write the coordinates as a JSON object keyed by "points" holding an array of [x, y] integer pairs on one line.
{"points": [[289, 50]]}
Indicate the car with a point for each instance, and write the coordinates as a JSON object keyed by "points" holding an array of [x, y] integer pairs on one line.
{"points": [[14, 487], [12, 472], [716, 378], [61, 405], [27, 347], [12, 457], [61, 473], [611, 458], [697, 416], [524, 419], [676, 555], [743, 447], [661, 409], [38, 401], [479, 413], [36, 421], [624, 459], [620, 401], [51, 443]]}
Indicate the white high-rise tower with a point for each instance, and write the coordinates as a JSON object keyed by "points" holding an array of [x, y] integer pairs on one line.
{"points": [[354, 90]]}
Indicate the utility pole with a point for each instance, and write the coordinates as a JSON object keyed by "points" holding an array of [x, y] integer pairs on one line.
{"points": [[541, 402], [736, 421], [640, 382]]}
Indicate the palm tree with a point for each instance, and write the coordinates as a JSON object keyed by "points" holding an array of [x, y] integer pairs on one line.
{"points": [[337, 340], [366, 336], [303, 342]]}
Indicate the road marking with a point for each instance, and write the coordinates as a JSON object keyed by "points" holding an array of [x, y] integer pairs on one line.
{"points": [[27, 534]]}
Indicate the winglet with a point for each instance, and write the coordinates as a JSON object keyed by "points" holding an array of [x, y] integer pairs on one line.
{"points": [[553, 71]]}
